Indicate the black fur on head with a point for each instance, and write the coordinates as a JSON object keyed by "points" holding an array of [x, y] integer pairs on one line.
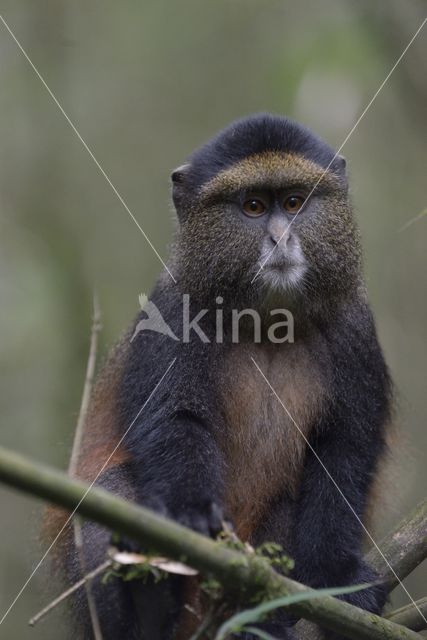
{"points": [[250, 136], [217, 253]]}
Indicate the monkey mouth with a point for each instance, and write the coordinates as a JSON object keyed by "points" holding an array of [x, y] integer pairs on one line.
{"points": [[283, 275], [283, 264]]}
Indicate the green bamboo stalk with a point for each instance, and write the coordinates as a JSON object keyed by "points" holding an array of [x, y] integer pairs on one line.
{"points": [[242, 576]]}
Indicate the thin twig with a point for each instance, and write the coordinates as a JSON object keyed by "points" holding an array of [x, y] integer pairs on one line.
{"points": [[75, 453], [87, 389], [89, 576], [93, 613], [409, 616], [215, 611], [204, 626]]}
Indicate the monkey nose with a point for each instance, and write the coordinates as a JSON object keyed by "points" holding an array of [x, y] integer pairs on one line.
{"points": [[281, 238]]}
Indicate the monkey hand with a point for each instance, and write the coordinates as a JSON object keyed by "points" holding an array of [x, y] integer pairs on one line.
{"points": [[205, 517]]}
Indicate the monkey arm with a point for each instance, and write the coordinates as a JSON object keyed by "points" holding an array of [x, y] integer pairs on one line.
{"points": [[349, 441], [329, 533], [178, 471]]}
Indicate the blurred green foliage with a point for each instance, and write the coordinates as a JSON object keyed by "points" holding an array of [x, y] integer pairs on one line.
{"points": [[145, 82]]}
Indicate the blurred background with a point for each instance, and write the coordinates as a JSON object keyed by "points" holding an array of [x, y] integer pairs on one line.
{"points": [[145, 82]]}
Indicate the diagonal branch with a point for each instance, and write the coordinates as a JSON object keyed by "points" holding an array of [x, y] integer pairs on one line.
{"points": [[409, 616], [243, 576], [405, 547]]}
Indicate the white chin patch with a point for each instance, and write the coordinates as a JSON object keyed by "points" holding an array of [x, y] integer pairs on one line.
{"points": [[286, 278]]}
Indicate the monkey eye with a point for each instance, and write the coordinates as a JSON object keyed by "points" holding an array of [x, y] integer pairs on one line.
{"points": [[254, 207], [293, 204]]}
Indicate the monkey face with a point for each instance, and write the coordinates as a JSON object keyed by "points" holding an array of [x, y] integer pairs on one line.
{"points": [[275, 220], [273, 236], [282, 264]]}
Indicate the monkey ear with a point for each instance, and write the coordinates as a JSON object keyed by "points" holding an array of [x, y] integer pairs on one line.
{"points": [[178, 178], [339, 168], [341, 163], [342, 160], [178, 174]]}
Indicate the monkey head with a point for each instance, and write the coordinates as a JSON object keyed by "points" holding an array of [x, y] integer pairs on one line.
{"points": [[263, 209]]}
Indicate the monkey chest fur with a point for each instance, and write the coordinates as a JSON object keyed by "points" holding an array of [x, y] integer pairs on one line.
{"points": [[266, 423]]}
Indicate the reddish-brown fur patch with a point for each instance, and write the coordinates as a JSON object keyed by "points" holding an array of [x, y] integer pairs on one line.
{"points": [[101, 434], [103, 428], [264, 444], [384, 493]]}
